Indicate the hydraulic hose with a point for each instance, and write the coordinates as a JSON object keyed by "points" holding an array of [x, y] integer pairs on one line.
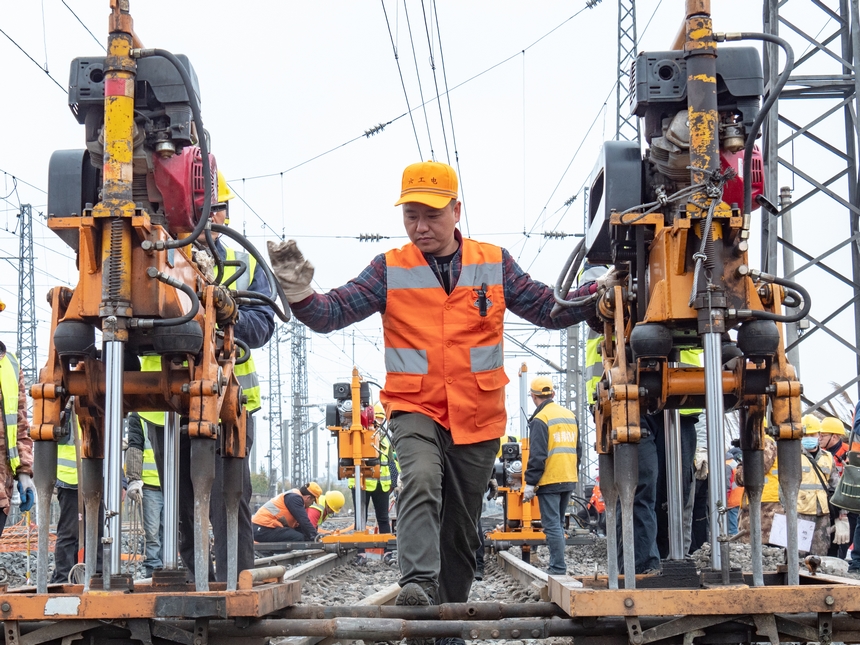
{"points": [[145, 323], [793, 287], [219, 263], [246, 352], [766, 106], [256, 298], [204, 146], [283, 314], [567, 276]]}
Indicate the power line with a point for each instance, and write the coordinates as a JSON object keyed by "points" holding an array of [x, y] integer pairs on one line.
{"points": [[418, 75], [435, 81], [402, 82], [83, 25], [23, 51]]}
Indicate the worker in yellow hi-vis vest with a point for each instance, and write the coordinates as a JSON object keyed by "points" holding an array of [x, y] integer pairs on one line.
{"points": [[16, 454], [254, 327], [144, 487]]}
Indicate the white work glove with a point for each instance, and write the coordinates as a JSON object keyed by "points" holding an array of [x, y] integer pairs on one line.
{"points": [[528, 493], [134, 491], [842, 533], [608, 280], [701, 463], [27, 492], [293, 272]]}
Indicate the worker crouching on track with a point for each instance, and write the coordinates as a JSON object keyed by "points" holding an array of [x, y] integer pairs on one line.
{"points": [[818, 479], [324, 507], [285, 518], [16, 450], [551, 471], [443, 299]]}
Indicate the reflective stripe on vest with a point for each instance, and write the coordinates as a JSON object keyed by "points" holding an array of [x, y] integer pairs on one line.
{"points": [[67, 458], [150, 470], [443, 359], [691, 358], [812, 498], [9, 374], [562, 431], [246, 373]]}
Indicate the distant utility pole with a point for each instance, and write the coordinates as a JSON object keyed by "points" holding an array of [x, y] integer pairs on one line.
{"points": [[301, 444], [26, 298], [275, 424]]}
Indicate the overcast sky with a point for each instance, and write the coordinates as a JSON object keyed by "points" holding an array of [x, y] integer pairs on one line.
{"points": [[288, 91]]}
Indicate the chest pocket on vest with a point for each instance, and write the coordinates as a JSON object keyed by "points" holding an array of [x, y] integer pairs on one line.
{"points": [[490, 396]]}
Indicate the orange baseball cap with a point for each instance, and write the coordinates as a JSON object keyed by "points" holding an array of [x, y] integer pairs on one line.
{"points": [[429, 182]]}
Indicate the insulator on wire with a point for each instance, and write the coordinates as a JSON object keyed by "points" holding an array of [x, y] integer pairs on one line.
{"points": [[590, 4], [556, 235], [375, 129], [371, 237], [571, 200]]}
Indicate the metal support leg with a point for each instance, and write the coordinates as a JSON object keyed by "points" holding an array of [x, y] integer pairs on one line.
{"points": [[91, 484], [202, 475], [170, 450], [672, 435], [113, 458], [232, 491], [753, 486], [788, 456], [610, 499], [44, 476], [627, 477]]}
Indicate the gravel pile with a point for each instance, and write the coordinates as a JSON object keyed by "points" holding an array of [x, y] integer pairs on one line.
{"points": [[740, 557], [13, 568]]}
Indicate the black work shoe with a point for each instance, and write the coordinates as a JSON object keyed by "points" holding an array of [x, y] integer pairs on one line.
{"points": [[479, 574], [450, 640], [412, 595]]}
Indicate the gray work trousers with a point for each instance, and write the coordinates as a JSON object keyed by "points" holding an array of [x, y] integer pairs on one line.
{"points": [[443, 486]]}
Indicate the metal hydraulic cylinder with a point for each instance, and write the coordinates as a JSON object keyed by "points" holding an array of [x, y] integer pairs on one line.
{"points": [[113, 459], [359, 500], [753, 487], [715, 420], [171, 490], [674, 485]]}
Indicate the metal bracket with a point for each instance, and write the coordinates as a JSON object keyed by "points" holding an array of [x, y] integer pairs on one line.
{"points": [[634, 630], [11, 632], [765, 625], [825, 627], [201, 631], [66, 630], [139, 628]]}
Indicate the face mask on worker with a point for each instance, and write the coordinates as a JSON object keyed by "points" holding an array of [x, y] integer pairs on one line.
{"points": [[809, 443]]}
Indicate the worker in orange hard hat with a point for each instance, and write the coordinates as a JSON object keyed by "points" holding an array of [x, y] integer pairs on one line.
{"points": [[443, 299], [16, 452], [284, 518]]}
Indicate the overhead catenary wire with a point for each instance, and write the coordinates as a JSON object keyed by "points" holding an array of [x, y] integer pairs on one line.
{"points": [[65, 4], [402, 82], [24, 51], [435, 81], [451, 120], [420, 86]]}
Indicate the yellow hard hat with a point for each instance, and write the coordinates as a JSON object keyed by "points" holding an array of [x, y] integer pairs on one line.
{"points": [[379, 412], [2, 305], [542, 386], [314, 489], [334, 500], [811, 424], [832, 425], [224, 192]]}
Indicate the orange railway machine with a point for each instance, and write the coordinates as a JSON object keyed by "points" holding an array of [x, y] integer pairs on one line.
{"points": [[134, 203], [351, 419]]}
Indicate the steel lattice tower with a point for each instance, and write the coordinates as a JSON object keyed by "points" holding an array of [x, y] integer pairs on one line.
{"points": [[810, 145], [275, 414], [300, 426], [626, 124], [26, 298]]}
